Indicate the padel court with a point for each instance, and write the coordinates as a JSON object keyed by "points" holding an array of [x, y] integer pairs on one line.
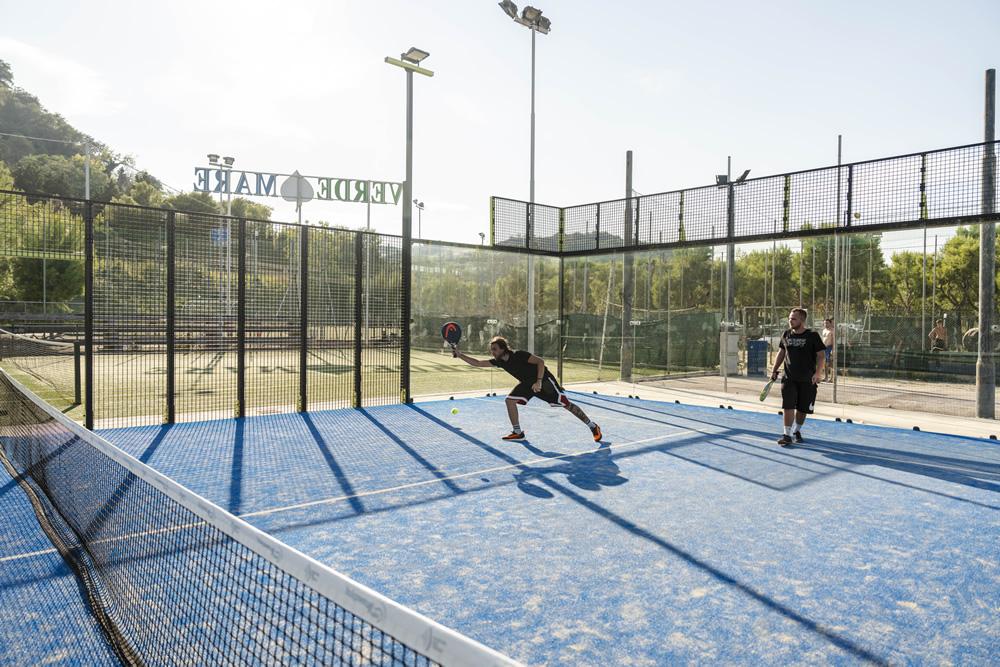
{"points": [[687, 535]]}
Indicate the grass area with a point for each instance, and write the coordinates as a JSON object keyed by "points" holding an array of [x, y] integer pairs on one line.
{"points": [[133, 385]]}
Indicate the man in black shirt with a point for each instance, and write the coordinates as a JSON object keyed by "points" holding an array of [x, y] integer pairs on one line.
{"points": [[803, 355], [534, 381]]}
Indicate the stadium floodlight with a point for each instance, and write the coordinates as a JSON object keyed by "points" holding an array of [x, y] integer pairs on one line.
{"points": [[722, 179], [509, 8], [414, 55], [743, 176], [531, 18]]}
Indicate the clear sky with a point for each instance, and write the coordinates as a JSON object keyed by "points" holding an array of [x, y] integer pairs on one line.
{"points": [[302, 85]]}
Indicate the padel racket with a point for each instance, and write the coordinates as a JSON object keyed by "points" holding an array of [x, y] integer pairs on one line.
{"points": [[452, 333], [766, 390]]}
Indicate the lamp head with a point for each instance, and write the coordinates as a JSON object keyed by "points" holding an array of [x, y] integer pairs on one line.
{"points": [[229, 161], [509, 8], [213, 158], [414, 55]]}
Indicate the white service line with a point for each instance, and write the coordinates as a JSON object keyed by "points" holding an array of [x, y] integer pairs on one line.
{"points": [[438, 480]]}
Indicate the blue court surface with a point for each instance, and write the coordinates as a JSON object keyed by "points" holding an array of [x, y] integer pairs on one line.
{"points": [[44, 619], [688, 535]]}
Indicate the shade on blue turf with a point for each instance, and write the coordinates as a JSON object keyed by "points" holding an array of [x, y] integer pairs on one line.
{"points": [[688, 535]]}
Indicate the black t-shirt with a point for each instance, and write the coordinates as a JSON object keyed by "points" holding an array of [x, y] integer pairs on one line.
{"points": [[800, 354], [517, 364]]}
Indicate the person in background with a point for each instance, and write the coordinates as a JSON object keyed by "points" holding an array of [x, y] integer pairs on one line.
{"points": [[939, 337], [829, 339]]}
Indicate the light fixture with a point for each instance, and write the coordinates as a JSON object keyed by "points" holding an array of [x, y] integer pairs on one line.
{"points": [[743, 176], [229, 161], [213, 158], [530, 14], [544, 25], [722, 179], [509, 8], [414, 55]]}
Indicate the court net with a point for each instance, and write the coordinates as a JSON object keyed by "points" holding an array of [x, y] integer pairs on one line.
{"points": [[52, 368], [174, 579]]}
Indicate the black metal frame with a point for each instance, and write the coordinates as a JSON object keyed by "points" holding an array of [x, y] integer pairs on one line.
{"points": [[847, 223]]}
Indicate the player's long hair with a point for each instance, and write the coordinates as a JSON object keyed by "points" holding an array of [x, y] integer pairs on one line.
{"points": [[501, 343]]}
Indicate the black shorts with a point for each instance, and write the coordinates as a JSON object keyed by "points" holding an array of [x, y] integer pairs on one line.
{"points": [[551, 393], [800, 396]]}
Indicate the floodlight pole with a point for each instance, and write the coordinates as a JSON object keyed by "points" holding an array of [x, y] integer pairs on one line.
{"points": [[531, 211], [410, 66]]}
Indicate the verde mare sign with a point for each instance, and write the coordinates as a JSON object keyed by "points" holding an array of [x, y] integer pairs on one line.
{"points": [[267, 184]]}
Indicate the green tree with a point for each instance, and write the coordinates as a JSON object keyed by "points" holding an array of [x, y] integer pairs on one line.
{"points": [[6, 75], [244, 208], [906, 281], [61, 176], [195, 202]]}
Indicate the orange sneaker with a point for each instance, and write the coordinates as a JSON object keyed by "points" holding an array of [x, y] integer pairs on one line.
{"points": [[514, 435], [597, 433]]}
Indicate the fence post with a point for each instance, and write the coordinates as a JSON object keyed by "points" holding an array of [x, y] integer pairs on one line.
{"points": [[680, 218], [77, 379], [786, 205], [88, 313], [241, 318], [303, 316], [561, 320], [171, 412], [597, 229], [985, 369], [359, 255], [406, 288], [625, 368]]}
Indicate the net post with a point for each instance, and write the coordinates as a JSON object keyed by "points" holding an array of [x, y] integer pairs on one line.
{"points": [[241, 318], [359, 258], [171, 408], [303, 315], [88, 313]]}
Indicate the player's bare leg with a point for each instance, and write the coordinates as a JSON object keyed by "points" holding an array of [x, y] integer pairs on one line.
{"points": [[516, 433], [575, 410]]}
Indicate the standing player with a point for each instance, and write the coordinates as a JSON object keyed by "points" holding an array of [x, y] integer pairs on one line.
{"points": [[803, 355], [534, 381]]}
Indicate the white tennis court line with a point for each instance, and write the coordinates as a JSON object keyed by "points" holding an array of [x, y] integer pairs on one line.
{"points": [[336, 499]]}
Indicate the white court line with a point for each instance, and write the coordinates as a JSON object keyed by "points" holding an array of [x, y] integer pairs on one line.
{"points": [[438, 480]]}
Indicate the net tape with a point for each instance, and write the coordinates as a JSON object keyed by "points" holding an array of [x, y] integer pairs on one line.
{"points": [[151, 549]]}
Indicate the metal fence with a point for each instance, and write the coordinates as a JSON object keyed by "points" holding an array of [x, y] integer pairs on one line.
{"points": [[941, 187], [187, 316], [152, 315]]}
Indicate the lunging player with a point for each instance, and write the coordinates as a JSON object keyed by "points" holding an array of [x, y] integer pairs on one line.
{"points": [[534, 381]]}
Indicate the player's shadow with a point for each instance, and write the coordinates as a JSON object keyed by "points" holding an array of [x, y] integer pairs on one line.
{"points": [[591, 471]]}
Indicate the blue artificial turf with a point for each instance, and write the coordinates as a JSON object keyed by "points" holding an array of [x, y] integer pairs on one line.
{"points": [[688, 535], [44, 618]]}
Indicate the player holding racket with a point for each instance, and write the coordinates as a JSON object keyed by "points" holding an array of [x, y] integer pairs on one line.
{"points": [[534, 381], [803, 355]]}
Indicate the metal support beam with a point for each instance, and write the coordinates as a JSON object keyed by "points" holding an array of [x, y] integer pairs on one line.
{"points": [[359, 272], [170, 415], [88, 314], [241, 318], [985, 368], [303, 318], [627, 280]]}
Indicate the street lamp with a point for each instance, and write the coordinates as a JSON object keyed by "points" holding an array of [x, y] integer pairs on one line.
{"points": [[482, 238], [420, 210], [532, 19], [410, 62]]}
